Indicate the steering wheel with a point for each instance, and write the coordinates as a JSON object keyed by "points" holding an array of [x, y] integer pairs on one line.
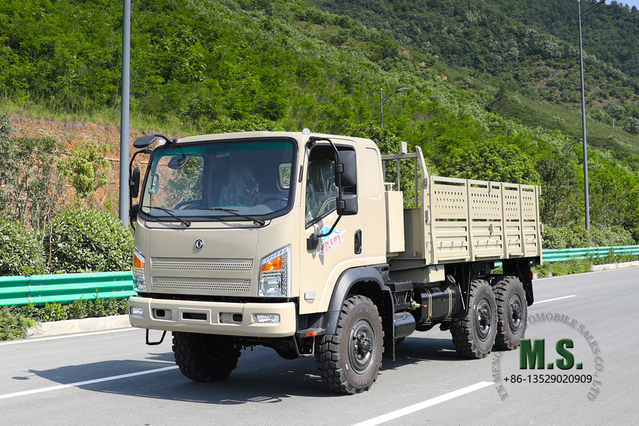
{"points": [[187, 204], [326, 206]]}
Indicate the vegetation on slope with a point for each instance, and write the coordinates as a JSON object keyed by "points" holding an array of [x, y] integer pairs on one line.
{"points": [[210, 65], [488, 47]]}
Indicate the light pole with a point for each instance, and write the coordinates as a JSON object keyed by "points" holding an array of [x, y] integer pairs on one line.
{"points": [[570, 145], [124, 113], [583, 113], [383, 99]]}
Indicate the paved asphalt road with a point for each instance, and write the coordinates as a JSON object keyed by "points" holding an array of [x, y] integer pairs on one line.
{"points": [[113, 378]]}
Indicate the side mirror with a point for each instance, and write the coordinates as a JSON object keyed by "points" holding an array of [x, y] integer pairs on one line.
{"points": [[347, 205], [134, 183], [346, 166], [346, 177], [312, 242]]}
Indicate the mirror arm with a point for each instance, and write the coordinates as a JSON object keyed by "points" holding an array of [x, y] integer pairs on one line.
{"points": [[133, 215], [141, 151], [313, 240]]}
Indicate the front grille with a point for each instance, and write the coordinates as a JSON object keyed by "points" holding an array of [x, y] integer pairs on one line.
{"points": [[217, 265], [227, 286]]}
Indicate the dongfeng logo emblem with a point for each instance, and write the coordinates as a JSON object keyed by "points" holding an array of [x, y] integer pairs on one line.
{"points": [[199, 243]]}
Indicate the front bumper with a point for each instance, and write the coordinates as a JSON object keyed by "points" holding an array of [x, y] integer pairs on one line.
{"points": [[232, 319]]}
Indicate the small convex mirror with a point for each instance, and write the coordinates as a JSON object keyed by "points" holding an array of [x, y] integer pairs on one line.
{"points": [[144, 141]]}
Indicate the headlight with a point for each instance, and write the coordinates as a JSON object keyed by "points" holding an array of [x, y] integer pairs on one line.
{"points": [[139, 281], [275, 274]]}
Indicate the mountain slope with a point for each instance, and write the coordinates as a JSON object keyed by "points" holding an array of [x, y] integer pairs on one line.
{"points": [[214, 66], [490, 49]]}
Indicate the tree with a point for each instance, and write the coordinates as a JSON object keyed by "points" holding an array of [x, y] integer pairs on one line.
{"points": [[632, 126], [491, 160], [28, 192], [87, 168]]}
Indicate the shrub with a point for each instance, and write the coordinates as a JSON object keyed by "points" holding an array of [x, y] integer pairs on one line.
{"points": [[577, 237], [88, 240], [13, 324], [77, 309], [20, 250], [567, 267], [54, 311], [87, 169], [15, 320]]}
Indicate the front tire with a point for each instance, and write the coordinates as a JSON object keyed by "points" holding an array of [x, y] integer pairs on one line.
{"points": [[512, 312], [349, 360], [205, 357], [474, 335]]}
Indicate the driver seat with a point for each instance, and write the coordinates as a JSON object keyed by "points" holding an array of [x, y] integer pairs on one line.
{"points": [[241, 188]]}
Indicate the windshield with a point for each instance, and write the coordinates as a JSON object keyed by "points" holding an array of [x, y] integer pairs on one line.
{"points": [[238, 179]]}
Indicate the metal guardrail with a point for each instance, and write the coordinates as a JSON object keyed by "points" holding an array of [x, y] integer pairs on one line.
{"points": [[587, 252], [40, 289]]}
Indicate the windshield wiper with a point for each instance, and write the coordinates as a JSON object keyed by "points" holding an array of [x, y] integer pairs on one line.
{"points": [[234, 212], [186, 223]]}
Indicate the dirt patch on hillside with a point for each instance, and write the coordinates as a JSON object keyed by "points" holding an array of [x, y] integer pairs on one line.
{"points": [[69, 135]]}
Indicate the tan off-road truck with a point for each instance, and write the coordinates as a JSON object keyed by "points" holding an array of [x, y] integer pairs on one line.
{"points": [[295, 241]]}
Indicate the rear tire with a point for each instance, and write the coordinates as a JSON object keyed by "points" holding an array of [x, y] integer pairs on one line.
{"points": [[474, 335], [205, 357], [349, 360], [512, 312]]}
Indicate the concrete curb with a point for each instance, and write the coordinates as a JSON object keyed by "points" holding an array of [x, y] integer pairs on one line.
{"points": [[84, 325], [597, 268], [615, 266]]}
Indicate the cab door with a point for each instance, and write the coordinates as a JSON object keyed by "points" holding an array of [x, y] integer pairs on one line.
{"points": [[326, 253]]}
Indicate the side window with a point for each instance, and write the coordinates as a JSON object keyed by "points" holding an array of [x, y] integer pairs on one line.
{"points": [[321, 192]]}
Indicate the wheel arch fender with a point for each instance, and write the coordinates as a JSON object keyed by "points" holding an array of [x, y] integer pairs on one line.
{"points": [[366, 281]]}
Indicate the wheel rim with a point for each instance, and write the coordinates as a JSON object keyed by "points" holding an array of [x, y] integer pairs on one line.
{"points": [[361, 344], [515, 313], [216, 349], [483, 319]]}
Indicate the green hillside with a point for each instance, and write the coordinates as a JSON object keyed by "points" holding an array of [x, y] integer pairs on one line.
{"points": [[536, 56], [209, 66], [609, 30]]}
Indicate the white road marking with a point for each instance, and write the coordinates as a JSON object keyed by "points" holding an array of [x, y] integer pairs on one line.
{"points": [[423, 405], [87, 382], [555, 299]]}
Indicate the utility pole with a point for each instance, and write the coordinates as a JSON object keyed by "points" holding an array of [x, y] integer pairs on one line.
{"points": [[583, 113], [383, 99], [124, 113]]}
